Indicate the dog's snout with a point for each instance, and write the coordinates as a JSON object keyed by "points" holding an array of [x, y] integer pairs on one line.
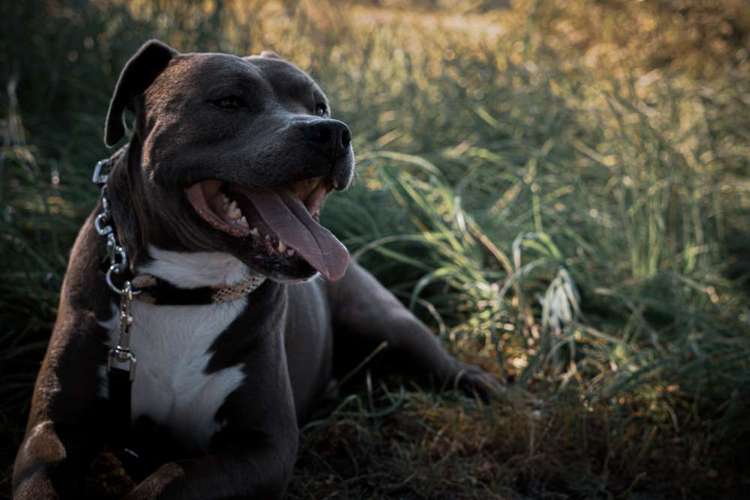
{"points": [[332, 137]]}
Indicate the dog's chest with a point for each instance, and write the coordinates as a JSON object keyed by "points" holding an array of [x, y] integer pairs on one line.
{"points": [[172, 386], [172, 346]]}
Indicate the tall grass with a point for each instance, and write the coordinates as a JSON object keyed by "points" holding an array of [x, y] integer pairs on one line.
{"points": [[559, 188]]}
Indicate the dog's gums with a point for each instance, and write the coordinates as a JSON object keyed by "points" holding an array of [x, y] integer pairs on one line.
{"points": [[282, 223], [214, 207]]}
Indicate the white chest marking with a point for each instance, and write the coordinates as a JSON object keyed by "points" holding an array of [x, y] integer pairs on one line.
{"points": [[197, 269], [171, 344]]}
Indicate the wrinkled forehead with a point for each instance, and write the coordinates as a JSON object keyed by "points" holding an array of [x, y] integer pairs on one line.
{"points": [[203, 71]]}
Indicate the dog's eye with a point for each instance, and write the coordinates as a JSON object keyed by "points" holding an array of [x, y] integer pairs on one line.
{"points": [[321, 109], [229, 102]]}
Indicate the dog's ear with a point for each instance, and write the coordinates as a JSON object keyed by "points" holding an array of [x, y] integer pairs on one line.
{"points": [[139, 72], [270, 54]]}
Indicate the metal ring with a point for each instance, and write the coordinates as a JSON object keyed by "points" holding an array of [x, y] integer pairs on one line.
{"points": [[113, 269], [100, 224], [111, 244], [119, 257], [127, 287]]}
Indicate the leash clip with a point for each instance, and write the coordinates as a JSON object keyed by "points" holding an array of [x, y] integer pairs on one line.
{"points": [[120, 356], [122, 360]]}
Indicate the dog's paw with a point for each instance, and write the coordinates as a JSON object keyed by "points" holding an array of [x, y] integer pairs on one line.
{"points": [[474, 381], [107, 477], [154, 486]]}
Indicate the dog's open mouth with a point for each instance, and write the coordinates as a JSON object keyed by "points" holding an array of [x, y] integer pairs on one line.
{"points": [[282, 222]]}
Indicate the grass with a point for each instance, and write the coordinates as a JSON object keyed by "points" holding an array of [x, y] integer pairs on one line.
{"points": [[559, 188]]}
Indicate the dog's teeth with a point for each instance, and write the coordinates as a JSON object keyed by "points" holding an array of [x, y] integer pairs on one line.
{"points": [[254, 231], [290, 252], [281, 246], [233, 211], [224, 200], [243, 221]]}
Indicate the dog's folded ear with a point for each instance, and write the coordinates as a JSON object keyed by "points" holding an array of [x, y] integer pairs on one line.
{"points": [[270, 54], [139, 72]]}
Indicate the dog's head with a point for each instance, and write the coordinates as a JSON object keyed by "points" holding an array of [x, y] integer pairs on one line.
{"points": [[231, 154]]}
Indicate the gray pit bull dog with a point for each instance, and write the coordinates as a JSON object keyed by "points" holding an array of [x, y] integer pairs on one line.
{"points": [[223, 179]]}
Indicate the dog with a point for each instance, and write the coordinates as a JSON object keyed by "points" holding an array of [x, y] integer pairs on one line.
{"points": [[216, 194]]}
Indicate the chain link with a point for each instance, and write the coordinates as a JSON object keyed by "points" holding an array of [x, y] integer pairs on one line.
{"points": [[116, 254], [120, 356]]}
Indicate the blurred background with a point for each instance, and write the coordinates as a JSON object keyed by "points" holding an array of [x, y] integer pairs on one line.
{"points": [[560, 188]]}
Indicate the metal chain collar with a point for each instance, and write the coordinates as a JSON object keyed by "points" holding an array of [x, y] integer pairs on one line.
{"points": [[120, 356]]}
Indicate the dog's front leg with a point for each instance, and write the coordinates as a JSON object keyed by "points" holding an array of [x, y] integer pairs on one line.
{"points": [[41, 452], [63, 432], [64, 428], [366, 314]]}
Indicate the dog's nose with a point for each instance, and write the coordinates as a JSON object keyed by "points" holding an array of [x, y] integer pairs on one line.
{"points": [[331, 137]]}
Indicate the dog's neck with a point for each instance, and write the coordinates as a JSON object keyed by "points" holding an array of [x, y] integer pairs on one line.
{"points": [[125, 201], [193, 278], [130, 212], [145, 218], [185, 278], [220, 275]]}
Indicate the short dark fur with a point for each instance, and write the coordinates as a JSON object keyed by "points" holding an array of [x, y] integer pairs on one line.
{"points": [[285, 338]]}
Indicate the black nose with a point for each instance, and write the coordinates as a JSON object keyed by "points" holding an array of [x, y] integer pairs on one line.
{"points": [[331, 137]]}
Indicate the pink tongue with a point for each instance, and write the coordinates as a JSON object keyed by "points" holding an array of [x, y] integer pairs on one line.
{"points": [[290, 220]]}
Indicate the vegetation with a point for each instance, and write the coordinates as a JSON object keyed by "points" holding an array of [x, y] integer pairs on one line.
{"points": [[560, 188]]}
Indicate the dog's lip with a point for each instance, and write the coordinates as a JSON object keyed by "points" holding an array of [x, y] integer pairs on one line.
{"points": [[312, 192], [215, 208]]}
